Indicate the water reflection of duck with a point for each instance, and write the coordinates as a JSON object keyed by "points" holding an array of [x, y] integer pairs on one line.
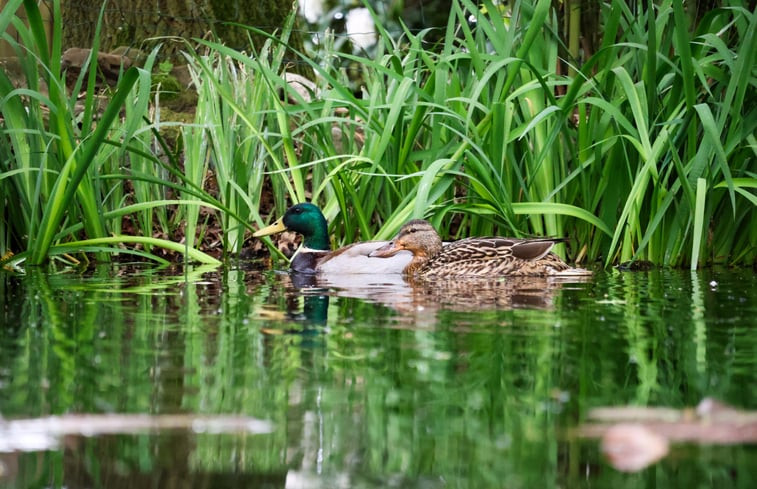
{"points": [[416, 295], [306, 311], [315, 255], [475, 257]]}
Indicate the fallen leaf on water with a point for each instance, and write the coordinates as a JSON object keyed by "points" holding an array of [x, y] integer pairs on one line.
{"points": [[633, 447], [633, 437]]}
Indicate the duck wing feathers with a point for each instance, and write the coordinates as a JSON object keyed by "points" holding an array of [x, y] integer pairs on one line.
{"points": [[495, 256], [354, 259]]}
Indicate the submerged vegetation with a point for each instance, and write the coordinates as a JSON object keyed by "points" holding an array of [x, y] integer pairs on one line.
{"points": [[644, 151]]}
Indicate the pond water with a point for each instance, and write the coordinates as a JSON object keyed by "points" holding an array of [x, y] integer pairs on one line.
{"points": [[366, 381]]}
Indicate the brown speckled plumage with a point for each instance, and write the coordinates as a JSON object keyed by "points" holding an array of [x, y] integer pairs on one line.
{"points": [[474, 257]]}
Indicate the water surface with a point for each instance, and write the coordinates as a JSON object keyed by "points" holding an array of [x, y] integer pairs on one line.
{"points": [[369, 382]]}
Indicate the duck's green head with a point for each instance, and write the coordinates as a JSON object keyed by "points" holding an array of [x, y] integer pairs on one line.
{"points": [[305, 219]]}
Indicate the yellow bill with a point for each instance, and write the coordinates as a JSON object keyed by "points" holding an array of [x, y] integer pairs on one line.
{"points": [[274, 228]]}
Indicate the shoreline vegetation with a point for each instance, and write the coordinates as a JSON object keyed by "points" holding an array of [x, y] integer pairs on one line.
{"points": [[644, 152]]}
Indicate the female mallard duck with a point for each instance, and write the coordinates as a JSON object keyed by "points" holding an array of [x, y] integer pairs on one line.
{"points": [[474, 257], [315, 255]]}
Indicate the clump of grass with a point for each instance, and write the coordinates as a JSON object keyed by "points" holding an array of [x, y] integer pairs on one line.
{"points": [[643, 152], [57, 194]]}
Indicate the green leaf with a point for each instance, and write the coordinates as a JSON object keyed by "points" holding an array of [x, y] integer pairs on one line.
{"points": [[698, 222], [529, 208]]}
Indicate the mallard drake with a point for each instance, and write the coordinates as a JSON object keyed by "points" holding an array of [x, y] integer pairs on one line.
{"points": [[474, 257], [315, 254]]}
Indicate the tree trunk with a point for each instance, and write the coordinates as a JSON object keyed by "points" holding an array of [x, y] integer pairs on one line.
{"points": [[140, 24]]}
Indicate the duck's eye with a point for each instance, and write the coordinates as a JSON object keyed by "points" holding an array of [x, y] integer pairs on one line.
{"points": [[298, 210]]}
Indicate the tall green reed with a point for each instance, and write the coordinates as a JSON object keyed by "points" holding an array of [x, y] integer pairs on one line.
{"points": [[648, 118], [642, 152], [54, 181], [242, 119], [646, 156], [640, 156], [457, 129]]}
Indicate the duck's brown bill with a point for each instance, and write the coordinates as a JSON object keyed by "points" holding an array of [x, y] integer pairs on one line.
{"points": [[389, 249], [274, 228]]}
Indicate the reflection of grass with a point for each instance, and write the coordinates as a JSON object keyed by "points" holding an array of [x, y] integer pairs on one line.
{"points": [[382, 393], [150, 280]]}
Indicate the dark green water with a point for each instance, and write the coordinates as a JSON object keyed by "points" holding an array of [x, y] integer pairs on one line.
{"points": [[371, 386]]}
